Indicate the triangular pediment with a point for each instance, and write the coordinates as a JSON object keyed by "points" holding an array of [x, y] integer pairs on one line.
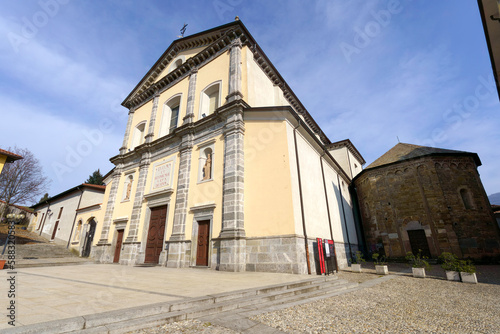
{"points": [[202, 41]]}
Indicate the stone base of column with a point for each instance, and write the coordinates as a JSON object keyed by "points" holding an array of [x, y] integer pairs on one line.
{"points": [[232, 254], [102, 253], [130, 254], [178, 254]]}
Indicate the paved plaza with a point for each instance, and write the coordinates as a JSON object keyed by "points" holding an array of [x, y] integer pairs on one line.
{"points": [[58, 292]]}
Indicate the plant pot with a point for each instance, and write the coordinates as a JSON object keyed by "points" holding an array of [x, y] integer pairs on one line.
{"points": [[468, 278], [418, 272], [382, 270], [452, 275], [355, 268], [2, 263]]}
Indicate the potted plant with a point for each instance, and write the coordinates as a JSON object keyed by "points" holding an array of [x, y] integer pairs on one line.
{"points": [[450, 264], [380, 264], [356, 262], [467, 271], [418, 263]]}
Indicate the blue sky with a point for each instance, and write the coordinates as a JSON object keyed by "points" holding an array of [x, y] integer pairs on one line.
{"points": [[370, 71]]}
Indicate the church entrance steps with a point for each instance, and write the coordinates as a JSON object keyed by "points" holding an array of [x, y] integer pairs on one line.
{"points": [[215, 305]]}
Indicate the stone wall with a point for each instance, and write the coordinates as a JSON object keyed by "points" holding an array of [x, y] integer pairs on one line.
{"points": [[426, 194]]}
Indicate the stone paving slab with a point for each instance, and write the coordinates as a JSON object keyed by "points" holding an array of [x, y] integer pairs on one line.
{"points": [[59, 292]]}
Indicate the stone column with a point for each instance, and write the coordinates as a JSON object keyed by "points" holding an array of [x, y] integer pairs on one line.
{"points": [[123, 149], [189, 118], [101, 252], [178, 245], [152, 119], [131, 245], [235, 72], [232, 236]]}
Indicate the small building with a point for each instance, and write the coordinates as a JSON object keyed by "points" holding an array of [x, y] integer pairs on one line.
{"points": [[71, 217], [430, 199], [7, 157]]}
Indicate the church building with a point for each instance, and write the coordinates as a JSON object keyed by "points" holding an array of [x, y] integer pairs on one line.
{"points": [[223, 167]]}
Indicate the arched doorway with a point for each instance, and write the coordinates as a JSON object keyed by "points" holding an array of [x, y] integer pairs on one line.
{"points": [[89, 237]]}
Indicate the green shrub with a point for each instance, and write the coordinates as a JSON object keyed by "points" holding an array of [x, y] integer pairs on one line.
{"points": [[449, 261], [417, 261], [466, 266], [379, 260], [358, 258]]}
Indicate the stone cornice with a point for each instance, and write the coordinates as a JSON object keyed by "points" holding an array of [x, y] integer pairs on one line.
{"points": [[350, 146]]}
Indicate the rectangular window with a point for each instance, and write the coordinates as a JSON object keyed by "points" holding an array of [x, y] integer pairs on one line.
{"points": [[173, 119], [213, 102], [60, 213]]}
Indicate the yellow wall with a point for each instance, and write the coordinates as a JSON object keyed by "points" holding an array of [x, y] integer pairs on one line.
{"points": [[3, 158], [217, 69], [206, 191], [124, 208], [182, 87], [141, 114], [186, 53], [268, 196]]}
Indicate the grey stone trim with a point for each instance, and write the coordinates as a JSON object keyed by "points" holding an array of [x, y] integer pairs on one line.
{"points": [[135, 218], [177, 254], [181, 198], [191, 97], [123, 149], [233, 177], [130, 253], [152, 119], [110, 206], [234, 92]]}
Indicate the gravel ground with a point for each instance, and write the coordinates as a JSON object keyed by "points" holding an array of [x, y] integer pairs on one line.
{"points": [[188, 326], [401, 305]]}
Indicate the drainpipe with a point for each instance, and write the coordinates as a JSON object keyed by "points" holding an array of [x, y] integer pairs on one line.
{"points": [[328, 207], [76, 214], [45, 218], [301, 199], [343, 212]]}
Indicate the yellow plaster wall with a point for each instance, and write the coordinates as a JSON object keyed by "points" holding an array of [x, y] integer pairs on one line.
{"points": [[206, 191], [123, 208], [147, 190], [181, 87], [141, 114], [3, 158], [186, 53], [268, 195], [217, 69]]}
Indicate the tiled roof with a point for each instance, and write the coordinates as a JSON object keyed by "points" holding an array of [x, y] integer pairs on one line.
{"points": [[402, 152], [10, 156]]}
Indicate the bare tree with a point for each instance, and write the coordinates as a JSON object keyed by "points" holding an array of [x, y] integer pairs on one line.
{"points": [[22, 181]]}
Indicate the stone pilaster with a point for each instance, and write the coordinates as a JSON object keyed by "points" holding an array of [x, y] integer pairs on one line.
{"points": [[101, 252], [177, 244], [135, 218], [123, 149], [189, 118], [232, 236], [152, 119], [235, 72]]}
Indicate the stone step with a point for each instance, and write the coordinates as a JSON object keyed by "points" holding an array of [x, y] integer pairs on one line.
{"points": [[121, 321]]}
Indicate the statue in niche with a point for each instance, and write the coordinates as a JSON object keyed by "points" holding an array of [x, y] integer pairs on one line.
{"points": [[207, 169], [129, 188]]}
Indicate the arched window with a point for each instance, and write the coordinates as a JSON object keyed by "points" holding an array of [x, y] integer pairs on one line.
{"points": [[78, 231], [210, 99], [466, 198], [138, 137], [170, 115], [127, 187], [176, 63], [206, 164]]}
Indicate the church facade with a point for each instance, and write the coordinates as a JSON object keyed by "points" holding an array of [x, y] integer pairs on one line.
{"points": [[222, 167]]}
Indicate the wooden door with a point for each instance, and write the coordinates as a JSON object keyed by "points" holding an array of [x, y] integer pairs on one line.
{"points": [[118, 248], [418, 241], [203, 242], [55, 230], [156, 232]]}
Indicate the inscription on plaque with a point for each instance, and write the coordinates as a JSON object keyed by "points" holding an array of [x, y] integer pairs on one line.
{"points": [[162, 175]]}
